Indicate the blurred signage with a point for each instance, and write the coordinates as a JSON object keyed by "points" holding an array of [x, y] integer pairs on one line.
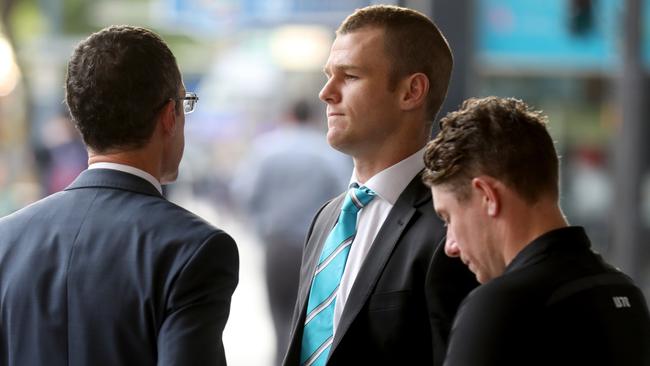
{"points": [[214, 14], [554, 34]]}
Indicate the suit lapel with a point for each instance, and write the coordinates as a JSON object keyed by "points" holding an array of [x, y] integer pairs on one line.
{"points": [[316, 242], [398, 218], [322, 227]]}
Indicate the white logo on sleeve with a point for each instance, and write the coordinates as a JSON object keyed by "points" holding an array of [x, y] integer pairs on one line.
{"points": [[621, 302]]}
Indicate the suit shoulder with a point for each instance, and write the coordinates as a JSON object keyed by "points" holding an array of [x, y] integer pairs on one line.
{"points": [[168, 222], [328, 209], [177, 216], [24, 214]]}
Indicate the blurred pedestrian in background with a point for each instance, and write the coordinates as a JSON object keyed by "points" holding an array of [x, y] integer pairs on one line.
{"points": [[108, 272], [546, 298], [288, 174], [63, 155]]}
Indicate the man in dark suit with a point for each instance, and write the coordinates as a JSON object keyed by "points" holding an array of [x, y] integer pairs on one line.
{"points": [[546, 298], [108, 272], [373, 288]]}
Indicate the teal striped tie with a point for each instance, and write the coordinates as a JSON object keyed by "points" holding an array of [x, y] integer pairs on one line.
{"points": [[318, 333]]}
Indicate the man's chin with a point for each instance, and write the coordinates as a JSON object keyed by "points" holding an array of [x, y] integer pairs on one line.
{"points": [[336, 142], [482, 277]]}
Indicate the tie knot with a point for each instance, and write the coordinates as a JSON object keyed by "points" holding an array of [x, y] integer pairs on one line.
{"points": [[357, 198]]}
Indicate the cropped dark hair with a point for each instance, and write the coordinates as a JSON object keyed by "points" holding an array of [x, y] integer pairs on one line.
{"points": [[500, 137], [413, 44], [117, 81]]}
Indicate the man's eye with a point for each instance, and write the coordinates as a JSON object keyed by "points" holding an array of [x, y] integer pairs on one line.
{"points": [[351, 77]]}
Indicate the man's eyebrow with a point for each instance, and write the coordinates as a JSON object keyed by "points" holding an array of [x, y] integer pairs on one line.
{"points": [[340, 68]]}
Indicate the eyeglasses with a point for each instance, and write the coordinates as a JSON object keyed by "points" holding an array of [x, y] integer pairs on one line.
{"points": [[189, 102]]}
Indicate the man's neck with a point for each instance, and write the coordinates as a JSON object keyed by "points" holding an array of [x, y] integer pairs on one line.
{"points": [[530, 224], [135, 158], [368, 165]]}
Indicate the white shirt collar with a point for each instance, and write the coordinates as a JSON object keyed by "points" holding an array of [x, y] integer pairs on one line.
{"points": [[129, 169], [391, 182]]}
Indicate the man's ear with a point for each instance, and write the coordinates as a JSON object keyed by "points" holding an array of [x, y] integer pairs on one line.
{"points": [[167, 118], [414, 91], [489, 194]]}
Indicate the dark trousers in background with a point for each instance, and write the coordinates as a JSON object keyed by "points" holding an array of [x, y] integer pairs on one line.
{"points": [[282, 262]]}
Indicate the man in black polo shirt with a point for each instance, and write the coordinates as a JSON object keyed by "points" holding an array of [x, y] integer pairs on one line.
{"points": [[546, 298]]}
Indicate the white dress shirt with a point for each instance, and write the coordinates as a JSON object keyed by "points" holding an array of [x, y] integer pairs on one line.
{"points": [[129, 169], [388, 185]]}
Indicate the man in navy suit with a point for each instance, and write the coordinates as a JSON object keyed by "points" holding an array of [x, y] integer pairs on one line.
{"points": [[108, 272]]}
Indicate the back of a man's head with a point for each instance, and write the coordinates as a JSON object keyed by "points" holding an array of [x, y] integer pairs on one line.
{"points": [[117, 81], [499, 137], [413, 44]]}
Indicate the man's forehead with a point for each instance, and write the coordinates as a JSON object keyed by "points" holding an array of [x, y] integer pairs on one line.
{"points": [[352, 50], [359, 39], [442, 196]]}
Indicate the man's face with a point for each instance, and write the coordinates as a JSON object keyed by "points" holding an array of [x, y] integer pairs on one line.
{"points": [[174, 153], [468, 232], [362, 114]]}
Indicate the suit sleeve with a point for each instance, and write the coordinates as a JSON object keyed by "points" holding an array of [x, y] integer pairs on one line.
{"points": [[199, 305]]}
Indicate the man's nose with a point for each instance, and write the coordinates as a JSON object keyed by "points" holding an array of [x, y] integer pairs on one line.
{"points": [[451, 247], [328, 93]]}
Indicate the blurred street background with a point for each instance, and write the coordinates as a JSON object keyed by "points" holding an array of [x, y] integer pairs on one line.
{"points": [[583, 62]]}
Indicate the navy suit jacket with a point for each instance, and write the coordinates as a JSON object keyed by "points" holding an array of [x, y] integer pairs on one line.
{"points": [[403, 301], [108, 272]]}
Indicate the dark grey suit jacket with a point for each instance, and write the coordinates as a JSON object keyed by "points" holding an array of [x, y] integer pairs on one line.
{"points": [[108, 272], [403, 301]]}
